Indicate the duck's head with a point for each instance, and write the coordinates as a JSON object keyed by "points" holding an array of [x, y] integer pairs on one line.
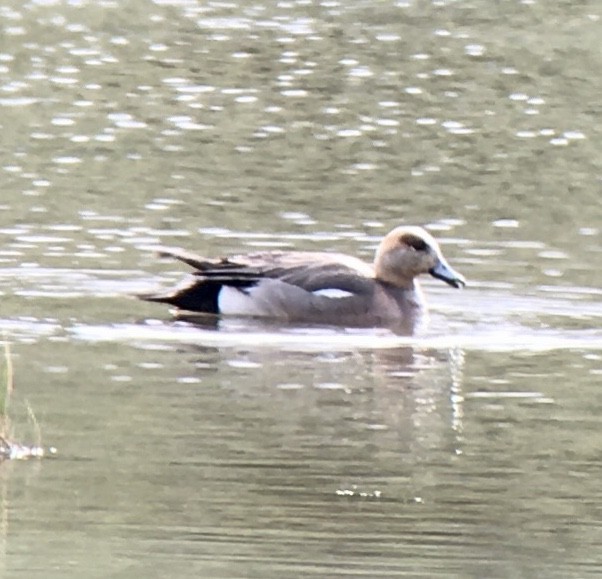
{"points": [[409, 251]]}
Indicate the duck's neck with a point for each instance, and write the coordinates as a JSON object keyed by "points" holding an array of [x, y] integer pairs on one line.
{"points": [[416, 296], [387, 276]]}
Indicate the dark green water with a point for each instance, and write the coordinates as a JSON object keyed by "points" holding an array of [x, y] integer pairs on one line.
{"points": [[252, 450]]}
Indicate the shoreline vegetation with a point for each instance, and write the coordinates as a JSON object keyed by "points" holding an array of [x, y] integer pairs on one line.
{"points": [[10, 449]]}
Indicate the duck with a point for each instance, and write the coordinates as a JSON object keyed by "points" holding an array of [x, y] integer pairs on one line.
{"points": [[313, 287]]}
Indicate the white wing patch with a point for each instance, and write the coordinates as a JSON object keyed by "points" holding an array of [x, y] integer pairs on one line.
{"points": [[234, 302], [332, 292]]}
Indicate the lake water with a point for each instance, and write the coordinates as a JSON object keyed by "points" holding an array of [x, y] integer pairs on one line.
{"points": [[257, 450]]}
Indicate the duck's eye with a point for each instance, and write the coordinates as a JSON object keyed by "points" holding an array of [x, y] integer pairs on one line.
{"points": [[416, 243]]}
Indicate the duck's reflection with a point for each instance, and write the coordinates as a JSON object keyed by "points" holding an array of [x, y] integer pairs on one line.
{"points": [[405, 399]]}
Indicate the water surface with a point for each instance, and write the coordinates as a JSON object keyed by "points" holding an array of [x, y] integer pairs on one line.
{"points": [[261, 450]]}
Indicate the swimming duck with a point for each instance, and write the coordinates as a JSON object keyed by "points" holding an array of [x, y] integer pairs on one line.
{"points": [[314, 287]]}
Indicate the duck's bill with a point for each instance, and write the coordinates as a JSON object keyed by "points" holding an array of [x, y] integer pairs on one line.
{"points": [[444, 272]]}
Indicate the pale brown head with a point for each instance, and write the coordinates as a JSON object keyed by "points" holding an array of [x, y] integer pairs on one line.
{"points": [[409, 251]]}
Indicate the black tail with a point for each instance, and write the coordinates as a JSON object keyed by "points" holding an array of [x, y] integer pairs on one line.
{"points": [[198, 295]]}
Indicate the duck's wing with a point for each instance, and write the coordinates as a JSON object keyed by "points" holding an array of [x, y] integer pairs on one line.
{"points": [[319, 275], [311, 271]]}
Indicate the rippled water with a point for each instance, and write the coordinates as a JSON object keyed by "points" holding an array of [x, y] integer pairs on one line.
{"points": [[246, 449]]}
